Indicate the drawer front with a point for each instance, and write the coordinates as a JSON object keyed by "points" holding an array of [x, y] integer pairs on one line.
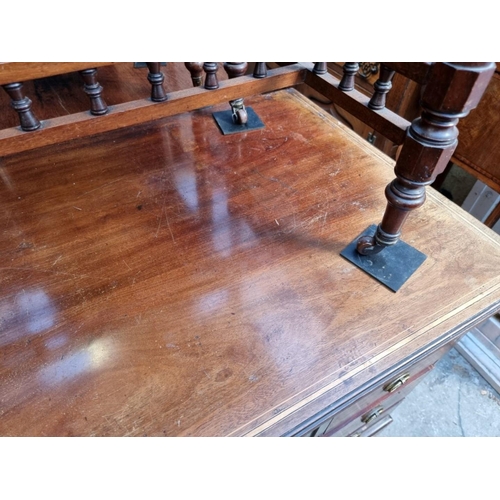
{"points": [[372, 407], [365, 411]]}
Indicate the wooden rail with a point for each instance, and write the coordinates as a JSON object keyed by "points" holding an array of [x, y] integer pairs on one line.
{"points": [[21, 72], [78, 125], [389, 124]]}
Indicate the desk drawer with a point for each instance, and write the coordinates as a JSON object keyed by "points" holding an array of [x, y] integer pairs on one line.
{"points": [[365, 412], [358, 416]]}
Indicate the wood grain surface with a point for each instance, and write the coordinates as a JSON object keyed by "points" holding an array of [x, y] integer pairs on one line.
{"points": [[22, 71], [479, 139], [166, 280]]}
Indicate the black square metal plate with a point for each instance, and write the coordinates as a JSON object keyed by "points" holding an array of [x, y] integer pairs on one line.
{"points": [[225, 121], [392, 266]]}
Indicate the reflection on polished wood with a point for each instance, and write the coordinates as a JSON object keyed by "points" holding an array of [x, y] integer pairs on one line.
{"points": [[165, 279]]}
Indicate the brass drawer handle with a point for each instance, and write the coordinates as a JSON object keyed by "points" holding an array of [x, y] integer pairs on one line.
{"points": [[396, 384], [374, 429], [372, 415]]}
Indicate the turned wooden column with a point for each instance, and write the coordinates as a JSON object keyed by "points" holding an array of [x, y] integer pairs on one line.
{"points": [[350, 69], [260, 70], [22, 105], [452, 90], [156, 79], [382, 87], [211, 82], [93, 90], [320, 68], [196, 71]]}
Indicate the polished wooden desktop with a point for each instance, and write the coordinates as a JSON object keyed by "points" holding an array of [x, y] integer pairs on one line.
{"points": [[167, 280]]}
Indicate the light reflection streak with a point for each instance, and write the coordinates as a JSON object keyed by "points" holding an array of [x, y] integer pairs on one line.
{"points": [[185, 182], [55, 342], [209, 303], [228, 231], [30, 312], [86, 360], [38, 310]]}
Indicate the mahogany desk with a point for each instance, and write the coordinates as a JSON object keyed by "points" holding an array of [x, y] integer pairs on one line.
{"points": [[168, 280]]}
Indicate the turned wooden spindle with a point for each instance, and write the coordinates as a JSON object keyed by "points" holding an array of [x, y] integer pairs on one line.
{"points": [[320, 68], [234, 70], [429, 144], [382, 87], [92, 88], [350, 70], [260, 70], [156, 79], [196, 71], [211, 82], [22, 105]]}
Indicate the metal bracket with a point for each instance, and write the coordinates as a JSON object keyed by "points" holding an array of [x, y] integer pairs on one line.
{"points": [[227, 126], [392, 267]]}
